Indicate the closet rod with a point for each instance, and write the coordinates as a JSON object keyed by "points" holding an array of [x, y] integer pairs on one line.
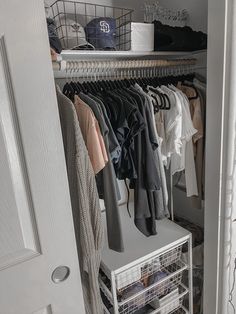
{"points": [[68, 65]]}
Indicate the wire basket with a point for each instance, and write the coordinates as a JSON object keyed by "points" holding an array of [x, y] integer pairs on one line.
{"points": [[173, 306], [157, 290], [155, 285], [143, 271], [92, 26]]}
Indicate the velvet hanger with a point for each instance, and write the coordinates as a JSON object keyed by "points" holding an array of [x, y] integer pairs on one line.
{"points": [[168, 105], [89, 87], [75, 88], [162, 99], [186, 82]]}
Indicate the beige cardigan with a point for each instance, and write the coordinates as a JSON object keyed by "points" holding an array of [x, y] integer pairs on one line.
{"points": [[85, 204]]}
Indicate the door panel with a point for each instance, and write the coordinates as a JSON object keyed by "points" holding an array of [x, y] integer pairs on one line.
{"points": [[36, 225], [44, 311], [18, 232]]}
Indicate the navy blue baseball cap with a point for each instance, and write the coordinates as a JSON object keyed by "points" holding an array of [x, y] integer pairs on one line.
{"points": [[101, 33]]}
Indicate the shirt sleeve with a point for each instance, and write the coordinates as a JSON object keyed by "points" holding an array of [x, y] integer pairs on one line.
{"points": [[96, 147], [92, 135]]}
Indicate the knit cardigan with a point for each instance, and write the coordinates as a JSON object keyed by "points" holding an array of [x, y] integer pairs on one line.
{"points": [[85, 204]]}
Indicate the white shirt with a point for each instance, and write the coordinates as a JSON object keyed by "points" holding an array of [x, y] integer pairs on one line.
{"points": [[168, 124], [186, 160]]}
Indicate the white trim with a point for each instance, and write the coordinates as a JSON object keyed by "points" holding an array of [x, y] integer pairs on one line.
{"points": [[219, 152], [228, 167], [214, 148]]}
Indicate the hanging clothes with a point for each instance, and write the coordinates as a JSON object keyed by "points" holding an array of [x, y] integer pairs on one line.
{"points": [[200, 146], [91, 134], [85, 204], [110, 189], [196, 93], [141, 144], [144, 128], [114, 146], [188, 155], [148, 180], [160, 196], [197, 110], [176, 130]]}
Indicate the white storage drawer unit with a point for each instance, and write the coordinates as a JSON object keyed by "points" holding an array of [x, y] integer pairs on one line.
{"points": [[148, 276]]}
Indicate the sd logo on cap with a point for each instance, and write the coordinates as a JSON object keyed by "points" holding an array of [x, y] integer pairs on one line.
{"points": [[101, 33]]}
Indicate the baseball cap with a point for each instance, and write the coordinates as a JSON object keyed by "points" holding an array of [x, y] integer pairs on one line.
{"points": [[72, 34], [101, 33], [52, 34]]}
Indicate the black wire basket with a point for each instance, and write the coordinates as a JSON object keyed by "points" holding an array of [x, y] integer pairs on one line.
{"points": [[92, 26]]}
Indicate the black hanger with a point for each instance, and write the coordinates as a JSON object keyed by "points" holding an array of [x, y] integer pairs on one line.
{"points": [[119, 84], [113, 85], [96, 86], [168, 105], [127, 83], [100, 85], [68, 91], [162, 99], [75, 88], [78, 86], [88, 87], [192, 86], [156, 104]]}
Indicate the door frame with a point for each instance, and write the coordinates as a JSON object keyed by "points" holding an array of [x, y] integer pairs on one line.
{"points": [[220, 120]]}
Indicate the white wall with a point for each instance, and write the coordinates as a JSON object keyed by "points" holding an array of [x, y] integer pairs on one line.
{"points": [[183, 208], [229, 241], [197, 9]]}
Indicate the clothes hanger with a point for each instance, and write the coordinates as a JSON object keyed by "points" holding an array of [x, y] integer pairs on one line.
{"points": [[70, 88], [86, 86], [167, 104], [188, 82], [165, 80], [100, 84], [161, 97], [76, 83], [67, 89], [73, 81], [79, 84]]}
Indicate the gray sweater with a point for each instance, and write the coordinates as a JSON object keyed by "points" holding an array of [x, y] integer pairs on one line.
{"points": [[85, 204]]}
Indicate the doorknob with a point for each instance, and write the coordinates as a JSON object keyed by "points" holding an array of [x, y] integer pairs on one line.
{"points": [[61, 273]]}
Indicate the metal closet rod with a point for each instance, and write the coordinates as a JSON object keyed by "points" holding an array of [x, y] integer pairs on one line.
{"points": [[71, 65]]}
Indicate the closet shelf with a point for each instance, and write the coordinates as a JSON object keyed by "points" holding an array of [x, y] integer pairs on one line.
{"points": [[85, 55], [138, 247]]}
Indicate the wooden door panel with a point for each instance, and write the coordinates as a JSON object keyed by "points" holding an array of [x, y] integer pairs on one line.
{"points": [[18, 232], [36, 226], [47, 310]]}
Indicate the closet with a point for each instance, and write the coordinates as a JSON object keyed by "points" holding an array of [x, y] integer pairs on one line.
{"points": [[37, 225], [142, 268]]}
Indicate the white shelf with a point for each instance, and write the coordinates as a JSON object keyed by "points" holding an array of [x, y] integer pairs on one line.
{"points": [[92, 54], [138, 246]]}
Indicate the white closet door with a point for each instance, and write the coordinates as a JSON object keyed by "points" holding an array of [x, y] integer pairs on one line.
{"points": [[36, 227]]}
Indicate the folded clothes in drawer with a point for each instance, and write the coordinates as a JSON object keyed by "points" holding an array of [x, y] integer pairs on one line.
{"points": [[147, 271]]}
